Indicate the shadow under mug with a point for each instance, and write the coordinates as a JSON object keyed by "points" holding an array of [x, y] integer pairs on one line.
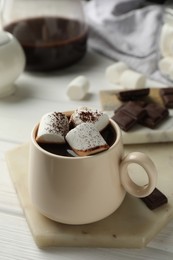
{"points": [[81, 190]]}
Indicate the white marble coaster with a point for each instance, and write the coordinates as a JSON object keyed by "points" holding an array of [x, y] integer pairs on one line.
{"points": [[139, 134], [133, 225]]}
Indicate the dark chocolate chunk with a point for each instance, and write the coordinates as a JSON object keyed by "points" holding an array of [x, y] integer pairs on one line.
{"points": [[155, 114], [166, 91], [155, 199], [129, 114], [133, 94], [167, 97], [168, 101], [124, 121], [134, 110], [142, 111]]}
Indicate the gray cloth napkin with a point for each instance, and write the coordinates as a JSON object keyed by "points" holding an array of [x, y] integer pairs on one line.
{"points": [[126, 30]]}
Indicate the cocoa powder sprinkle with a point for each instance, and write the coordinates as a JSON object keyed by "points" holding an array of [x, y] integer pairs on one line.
{"points": [[87, 116], [58, 123]]}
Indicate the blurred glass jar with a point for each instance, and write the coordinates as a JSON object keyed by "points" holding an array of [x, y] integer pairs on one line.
{"points": [[165, 63], [53, 33]]}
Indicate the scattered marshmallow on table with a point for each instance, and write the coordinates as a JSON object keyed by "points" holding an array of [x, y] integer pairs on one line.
{"points": [[88, 115], [52, 128], [132, 80], [78, 88], [85, 140], [114, 71]]}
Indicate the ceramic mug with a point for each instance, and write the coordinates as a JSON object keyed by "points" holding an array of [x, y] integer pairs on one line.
{"points": [[81, 190]]}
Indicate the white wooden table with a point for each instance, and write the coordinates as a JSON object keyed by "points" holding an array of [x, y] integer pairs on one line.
{"points": [[34, 96]]}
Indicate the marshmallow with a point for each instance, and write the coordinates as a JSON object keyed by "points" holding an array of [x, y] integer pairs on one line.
{"points": [[114, 72], [85, 140], [84, 114], [166, 40], [78, 88], [132, 80], [165, 64], [52, 128]]}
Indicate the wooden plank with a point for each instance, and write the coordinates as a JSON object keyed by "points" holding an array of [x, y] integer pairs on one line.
{"points": [[17, 244]]}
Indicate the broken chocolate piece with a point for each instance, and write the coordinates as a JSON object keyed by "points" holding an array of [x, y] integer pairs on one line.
{"points": [[166, 91], [168, 101], [124, 121], [134, 94], [167, 97], [142, 111], [134, 110], [155, 199], [155, 114], [129, 114]]}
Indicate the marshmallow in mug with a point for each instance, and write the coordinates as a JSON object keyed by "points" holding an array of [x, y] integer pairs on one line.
{"points": [[84, 114], [85, 140], [78, 88], [132, 80], [114, 71], [52, 128]]}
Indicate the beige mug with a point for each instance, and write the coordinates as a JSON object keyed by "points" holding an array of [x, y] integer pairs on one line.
{"points": [[81, 190]]}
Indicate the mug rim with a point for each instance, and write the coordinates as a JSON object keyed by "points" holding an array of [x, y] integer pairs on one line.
{"points": [[117, 140]]}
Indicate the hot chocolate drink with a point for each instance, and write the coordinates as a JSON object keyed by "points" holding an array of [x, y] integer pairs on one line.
{"points": [[50, 42], [81, 133], [64, 149]]}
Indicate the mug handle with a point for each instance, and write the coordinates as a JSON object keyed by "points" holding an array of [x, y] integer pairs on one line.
{"points": [[147, 164]]}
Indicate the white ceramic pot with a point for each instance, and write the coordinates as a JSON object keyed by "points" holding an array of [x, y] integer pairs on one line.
{"points": [[12, 62]]}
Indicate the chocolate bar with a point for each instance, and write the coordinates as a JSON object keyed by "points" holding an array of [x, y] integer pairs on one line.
{"points": [[155, 114], [139, 110], [131, 113], [155, 199], [134, 94], [128, 114], [124, 121], [134, 110], [167, 96], [166, 91]]}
